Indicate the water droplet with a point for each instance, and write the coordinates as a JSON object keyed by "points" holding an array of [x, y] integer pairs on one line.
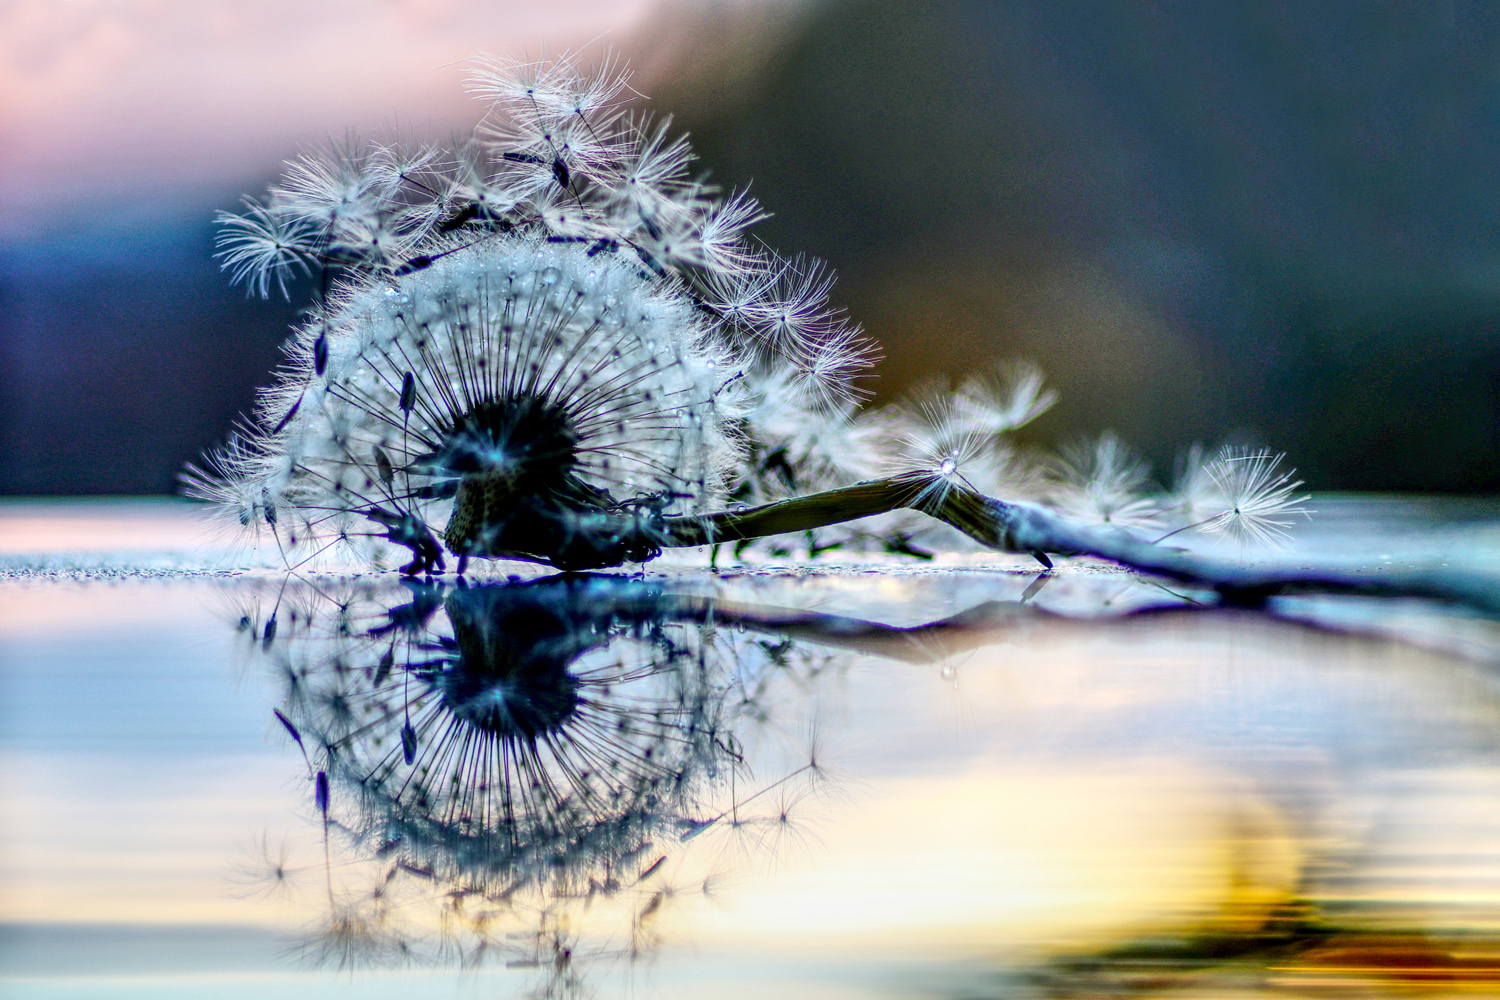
{"points": [[948, 467], [550, 275], [949, 672]]}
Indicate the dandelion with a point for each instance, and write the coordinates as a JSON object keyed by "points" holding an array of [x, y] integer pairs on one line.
{"points": [[541, 345], [508, 753], [555, 342], [551, 343], [526, 744]]}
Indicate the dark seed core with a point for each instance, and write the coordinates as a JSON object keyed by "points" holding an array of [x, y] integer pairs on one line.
{"points": [[510, 675], [525, 704], [526, 438]]}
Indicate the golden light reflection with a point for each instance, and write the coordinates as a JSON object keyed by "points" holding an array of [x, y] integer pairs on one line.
{"points": [[1009, 861]]}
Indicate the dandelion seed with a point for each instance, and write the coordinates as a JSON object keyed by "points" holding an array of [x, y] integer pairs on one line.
{"points": [[266, 870], [652, 869], [263, 248], [1011, 396], [354, 937], [1104, 483], [320, 354], [1257, 496], [408, 743], [1241, 492], [287, 724]]}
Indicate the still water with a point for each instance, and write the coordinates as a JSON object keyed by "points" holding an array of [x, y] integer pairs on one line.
{"points": [[945, 781]]}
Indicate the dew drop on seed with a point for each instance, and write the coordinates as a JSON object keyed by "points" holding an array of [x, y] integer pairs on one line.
{"points": [[948, 467]]}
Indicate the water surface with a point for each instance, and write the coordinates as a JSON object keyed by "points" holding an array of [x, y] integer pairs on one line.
{"points": [[949, 780]]}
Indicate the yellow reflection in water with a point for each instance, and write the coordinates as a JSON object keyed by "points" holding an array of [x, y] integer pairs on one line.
{"points": [[1018, 858]]}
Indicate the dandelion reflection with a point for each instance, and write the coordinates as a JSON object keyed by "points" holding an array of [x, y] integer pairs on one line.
{"points": [[493, 764], [267, 869], [541, 739], [551, 775]]}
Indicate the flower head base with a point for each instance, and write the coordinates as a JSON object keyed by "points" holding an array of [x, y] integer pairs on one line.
{"points": [[528, 385]]}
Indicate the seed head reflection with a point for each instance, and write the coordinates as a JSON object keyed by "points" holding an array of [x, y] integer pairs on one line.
{"points": [[544, 741], [503, 758]]}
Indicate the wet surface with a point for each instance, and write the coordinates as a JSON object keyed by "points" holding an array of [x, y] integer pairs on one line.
{"points": [[872, 781]]}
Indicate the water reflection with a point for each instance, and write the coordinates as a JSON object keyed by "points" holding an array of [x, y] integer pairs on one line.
{"points": [[510, 764], [554, 774]]}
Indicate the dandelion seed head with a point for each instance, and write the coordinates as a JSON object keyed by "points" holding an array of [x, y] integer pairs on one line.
{"points": [[558, 274]]}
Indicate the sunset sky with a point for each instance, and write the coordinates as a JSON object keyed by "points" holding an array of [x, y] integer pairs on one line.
{"points": [[1203, 221], [108, 101]]}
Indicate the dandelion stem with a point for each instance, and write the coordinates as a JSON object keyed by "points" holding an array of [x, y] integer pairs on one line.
{"points": [[932, 494], [1018, 527], [816, 510]]}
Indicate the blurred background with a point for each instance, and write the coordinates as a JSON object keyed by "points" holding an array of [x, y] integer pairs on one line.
{"points": [[1274, 220]]}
